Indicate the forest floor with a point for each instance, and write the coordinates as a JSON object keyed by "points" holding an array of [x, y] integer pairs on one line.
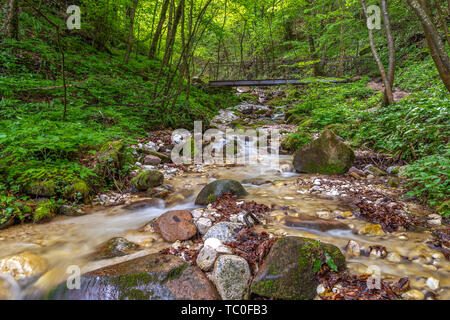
{"points": [[379, 86]]}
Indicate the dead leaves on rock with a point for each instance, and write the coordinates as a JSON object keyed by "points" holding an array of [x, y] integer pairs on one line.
{"points": [[227, 206], [252, 246]]}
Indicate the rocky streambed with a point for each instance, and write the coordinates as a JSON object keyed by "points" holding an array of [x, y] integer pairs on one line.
{"points": [[239, 232]]}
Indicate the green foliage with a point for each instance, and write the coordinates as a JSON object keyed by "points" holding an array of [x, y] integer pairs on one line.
{"points": [[429, 180], [411, 129], [295, 141]]}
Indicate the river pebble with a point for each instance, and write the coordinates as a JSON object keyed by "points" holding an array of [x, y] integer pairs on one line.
{"points": [[432, 283], [413, 295]]}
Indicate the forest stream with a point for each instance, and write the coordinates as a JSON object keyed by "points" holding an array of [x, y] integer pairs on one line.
{"points": [[67, 241]]}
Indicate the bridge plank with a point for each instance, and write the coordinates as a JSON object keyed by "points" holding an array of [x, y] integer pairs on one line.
{"points": [[268, 82]]}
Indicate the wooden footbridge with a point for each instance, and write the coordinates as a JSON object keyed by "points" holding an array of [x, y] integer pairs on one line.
{"points": [[268, 82], [274, 73]]}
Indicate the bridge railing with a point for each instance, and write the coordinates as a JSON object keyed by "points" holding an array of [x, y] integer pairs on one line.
{"points": [[286, 69]]}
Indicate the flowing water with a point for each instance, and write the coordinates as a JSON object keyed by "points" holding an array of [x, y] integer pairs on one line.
{"points": [[69, 241]]}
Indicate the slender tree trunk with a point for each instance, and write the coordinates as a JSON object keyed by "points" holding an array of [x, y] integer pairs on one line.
{"points": [[156, 37], [443, 20], [131, 31], [172, 33], [390, 41], [437, 49], [341, 40], [387, 85], [12, 20]]}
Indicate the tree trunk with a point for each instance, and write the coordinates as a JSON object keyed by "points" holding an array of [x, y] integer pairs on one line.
{"points": [[172, 33], [156, 37], [131, 31], [12, 20], [390, 40], [387, 85], [443, 20], [437, 49]]}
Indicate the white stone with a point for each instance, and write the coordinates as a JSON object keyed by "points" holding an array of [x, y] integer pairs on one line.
{"points": [[197, 213], [206, 258], [213, 243], [435, 222], [432, 283], [224, 249], [353, 248], [104, 198], [203, 224], [320, 289]]}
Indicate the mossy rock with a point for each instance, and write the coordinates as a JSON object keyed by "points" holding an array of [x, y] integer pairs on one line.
{"points": [[115, 247], [148, 179], [218, 188], [110, 159], [327, 155], [152, 277], [79, 190], [261, 111], [45, 211], [289, 270], [41, 189]]}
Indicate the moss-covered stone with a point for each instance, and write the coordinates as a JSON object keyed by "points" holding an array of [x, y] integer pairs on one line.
{"points": [[110, 159], [79, 190], [152, 277], [328, 155], [115, 247], [289, 271], [217, 188], [45, 211], [148, 179], [41, 188]]}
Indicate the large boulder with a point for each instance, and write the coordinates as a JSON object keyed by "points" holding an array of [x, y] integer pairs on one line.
{"points": [[41, 189], [231, 276], [217, 188], [152, 277], [328, 155], [148, 179], [175, 225], [289, 270]]}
